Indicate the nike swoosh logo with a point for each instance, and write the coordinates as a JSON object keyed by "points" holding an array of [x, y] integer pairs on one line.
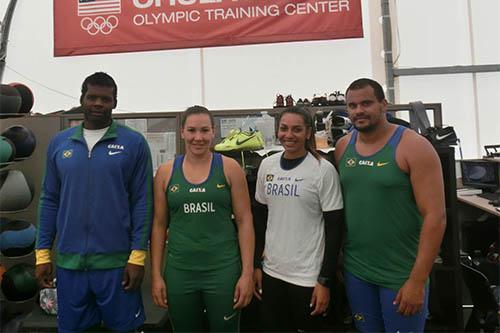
{"points": [[438, 137], [299, 179], [138, 313], [380, 164], [238, 142], [226, 318], [111, 153], [221, 185]]}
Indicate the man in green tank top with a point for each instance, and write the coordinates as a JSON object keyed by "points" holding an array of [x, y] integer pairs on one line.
{"points": [[395, 214]]}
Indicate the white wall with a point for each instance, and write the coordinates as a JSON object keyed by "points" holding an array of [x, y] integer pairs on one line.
{"points": [[431, 33], [437, 33]]}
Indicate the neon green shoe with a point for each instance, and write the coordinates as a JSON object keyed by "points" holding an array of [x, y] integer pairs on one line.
{"points": [[241, 140]]}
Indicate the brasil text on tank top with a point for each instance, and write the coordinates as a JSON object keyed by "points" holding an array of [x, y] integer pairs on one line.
{"points": [[202, 235]]}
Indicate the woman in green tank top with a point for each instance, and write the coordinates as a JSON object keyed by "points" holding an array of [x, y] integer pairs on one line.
{"points": [[209, 259]]}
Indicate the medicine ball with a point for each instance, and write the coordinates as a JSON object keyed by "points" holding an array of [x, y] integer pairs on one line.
{"points": [[7, 151], [27, 98], [17, 238], [10, 99], [23, 139], [19, 283], [16, 193]]}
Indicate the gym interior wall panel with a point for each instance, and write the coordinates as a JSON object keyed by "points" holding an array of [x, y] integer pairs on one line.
{"points": [[431, 33], [489, 110], [43, 127], [455, 93], [486, 31]]}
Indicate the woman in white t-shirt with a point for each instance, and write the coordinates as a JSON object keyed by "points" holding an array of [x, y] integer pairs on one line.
{"points": [[299, 228]]}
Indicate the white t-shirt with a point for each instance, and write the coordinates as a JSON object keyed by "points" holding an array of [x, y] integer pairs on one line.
{"points": [[93, 136], [296, 200]]}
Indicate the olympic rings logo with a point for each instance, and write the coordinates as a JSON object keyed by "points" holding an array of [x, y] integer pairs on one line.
{"points": [[99, 24]]}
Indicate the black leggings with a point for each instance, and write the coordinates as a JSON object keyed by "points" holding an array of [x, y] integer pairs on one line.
{"points": [[285, 307]]}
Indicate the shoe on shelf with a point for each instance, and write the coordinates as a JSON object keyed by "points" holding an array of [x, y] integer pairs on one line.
{"points": [[300, 102], [306, 102], [280, 102], [319, 100], [316, 100], [323, 100], [238, 140], [289, 101], [339, 98], [332, 98]]}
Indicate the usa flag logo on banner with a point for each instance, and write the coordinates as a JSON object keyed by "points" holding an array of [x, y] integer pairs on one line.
{"points": [[103, 18]]}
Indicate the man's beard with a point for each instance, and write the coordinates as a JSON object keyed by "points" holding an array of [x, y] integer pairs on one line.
{"points": [[99, 119], [366, 129]]}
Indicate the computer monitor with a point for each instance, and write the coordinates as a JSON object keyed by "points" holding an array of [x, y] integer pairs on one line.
{"points": [[481, 174]]}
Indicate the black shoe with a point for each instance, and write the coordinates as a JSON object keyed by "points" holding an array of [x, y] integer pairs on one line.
{"points": [[441, 136], [323, 101], [339, 98], [316, 101], [332, 98]]}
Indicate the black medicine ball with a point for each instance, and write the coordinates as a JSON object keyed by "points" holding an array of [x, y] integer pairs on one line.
{"points": [[23, 139], [27, 98], [10, 100], [19, 283]]}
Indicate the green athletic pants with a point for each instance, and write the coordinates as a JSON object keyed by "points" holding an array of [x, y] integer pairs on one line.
{"points": [[190, 293]]}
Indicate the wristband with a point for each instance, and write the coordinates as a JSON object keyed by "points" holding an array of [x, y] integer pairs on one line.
{"points": [[324, 281]]}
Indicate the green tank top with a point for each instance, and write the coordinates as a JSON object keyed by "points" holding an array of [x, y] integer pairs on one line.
{"points": [[382, 218], [202, 235]]}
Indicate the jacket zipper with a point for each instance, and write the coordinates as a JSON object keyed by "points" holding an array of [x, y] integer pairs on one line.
{"points": [[87, 219], [89, 224]]}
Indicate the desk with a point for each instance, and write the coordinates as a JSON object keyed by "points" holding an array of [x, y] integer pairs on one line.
{"points": [[479, 223], [478, 202]]}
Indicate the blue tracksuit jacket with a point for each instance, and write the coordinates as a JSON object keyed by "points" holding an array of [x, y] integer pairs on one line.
{"points": [[98, 203]]}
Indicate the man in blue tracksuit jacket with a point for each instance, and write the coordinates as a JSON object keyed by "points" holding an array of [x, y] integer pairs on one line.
{"points": [[96, 202]]}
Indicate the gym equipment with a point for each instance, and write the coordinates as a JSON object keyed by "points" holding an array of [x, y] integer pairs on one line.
{"points": [[10, 100], [7, 151], [17, 238], [19, 283], [23, 139], [15, 192], [484, 316], [27, 98]]}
